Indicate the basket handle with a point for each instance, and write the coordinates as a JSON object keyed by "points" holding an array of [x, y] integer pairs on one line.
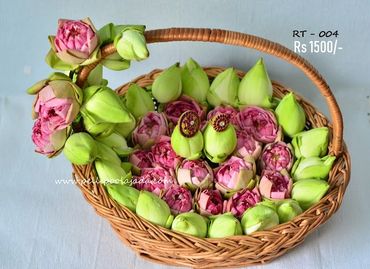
{"points": [[248, 41]]}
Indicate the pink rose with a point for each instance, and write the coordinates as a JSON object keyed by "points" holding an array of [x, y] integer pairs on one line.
{"points": [[56, 112], [247, 145], [154, 180], [75, 40], [195, 174], [277, 156], [228, 110], [164, 155], [241, 201], [48, 142], [259, 122], [150, 128], [174, 110], [209, 202], [275, 185], [141, 159], [234, 174], [178, 199], [56, 106]]}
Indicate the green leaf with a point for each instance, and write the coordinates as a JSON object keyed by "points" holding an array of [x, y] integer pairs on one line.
{"points": [[35, 88], [120, 28], [58, 76], [104, 82], [127, 166], [116, 65], [54, 62], [96, 76], [106, 34]]}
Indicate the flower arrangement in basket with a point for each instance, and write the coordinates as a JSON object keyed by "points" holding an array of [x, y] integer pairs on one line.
{"points": [[192, 166]]}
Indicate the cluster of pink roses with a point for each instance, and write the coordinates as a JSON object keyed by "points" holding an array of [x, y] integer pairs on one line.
{"points": [[276, 161], [192, 184], [56, 105], [173, 179], [58, 100]]}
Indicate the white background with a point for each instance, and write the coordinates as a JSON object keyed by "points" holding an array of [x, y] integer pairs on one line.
{"points": [[46, 225]]}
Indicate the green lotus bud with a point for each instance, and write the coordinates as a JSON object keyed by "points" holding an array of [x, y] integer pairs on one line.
{"points": [[117, 143], [312, 167], [190, 223], [131, 45], [311, 143], [287, 210], [290, 115], [219, 138], [224, 89], [259, 218], [167, 86], [195, 82], [255, 87], [154, 209], [223, 226], [80, 149], [138, 101], [103, 105], [111, 173], [269, 203], [124, 195], [97, 129], [107, 153], [125, 128], [186, 139], [308, 192]]}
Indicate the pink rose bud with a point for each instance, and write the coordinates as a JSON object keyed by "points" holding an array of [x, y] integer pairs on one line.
{"points": [[234, 174], [141, 159], [195, 174], [178, 199], [150, 128], [48, 142], [277, 156], [241, 201], [209, 202], [57, 104], [247, 145], [75, 40], [175, 109], [228, 110], [259, 122], [275, 185], [164, 155], [154, 180]]}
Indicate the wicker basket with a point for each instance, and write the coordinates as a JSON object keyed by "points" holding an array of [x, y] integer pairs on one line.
{"points": [[165, 246]]}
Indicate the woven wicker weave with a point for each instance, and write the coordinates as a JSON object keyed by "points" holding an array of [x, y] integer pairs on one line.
{"points": [[165, 246]]}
